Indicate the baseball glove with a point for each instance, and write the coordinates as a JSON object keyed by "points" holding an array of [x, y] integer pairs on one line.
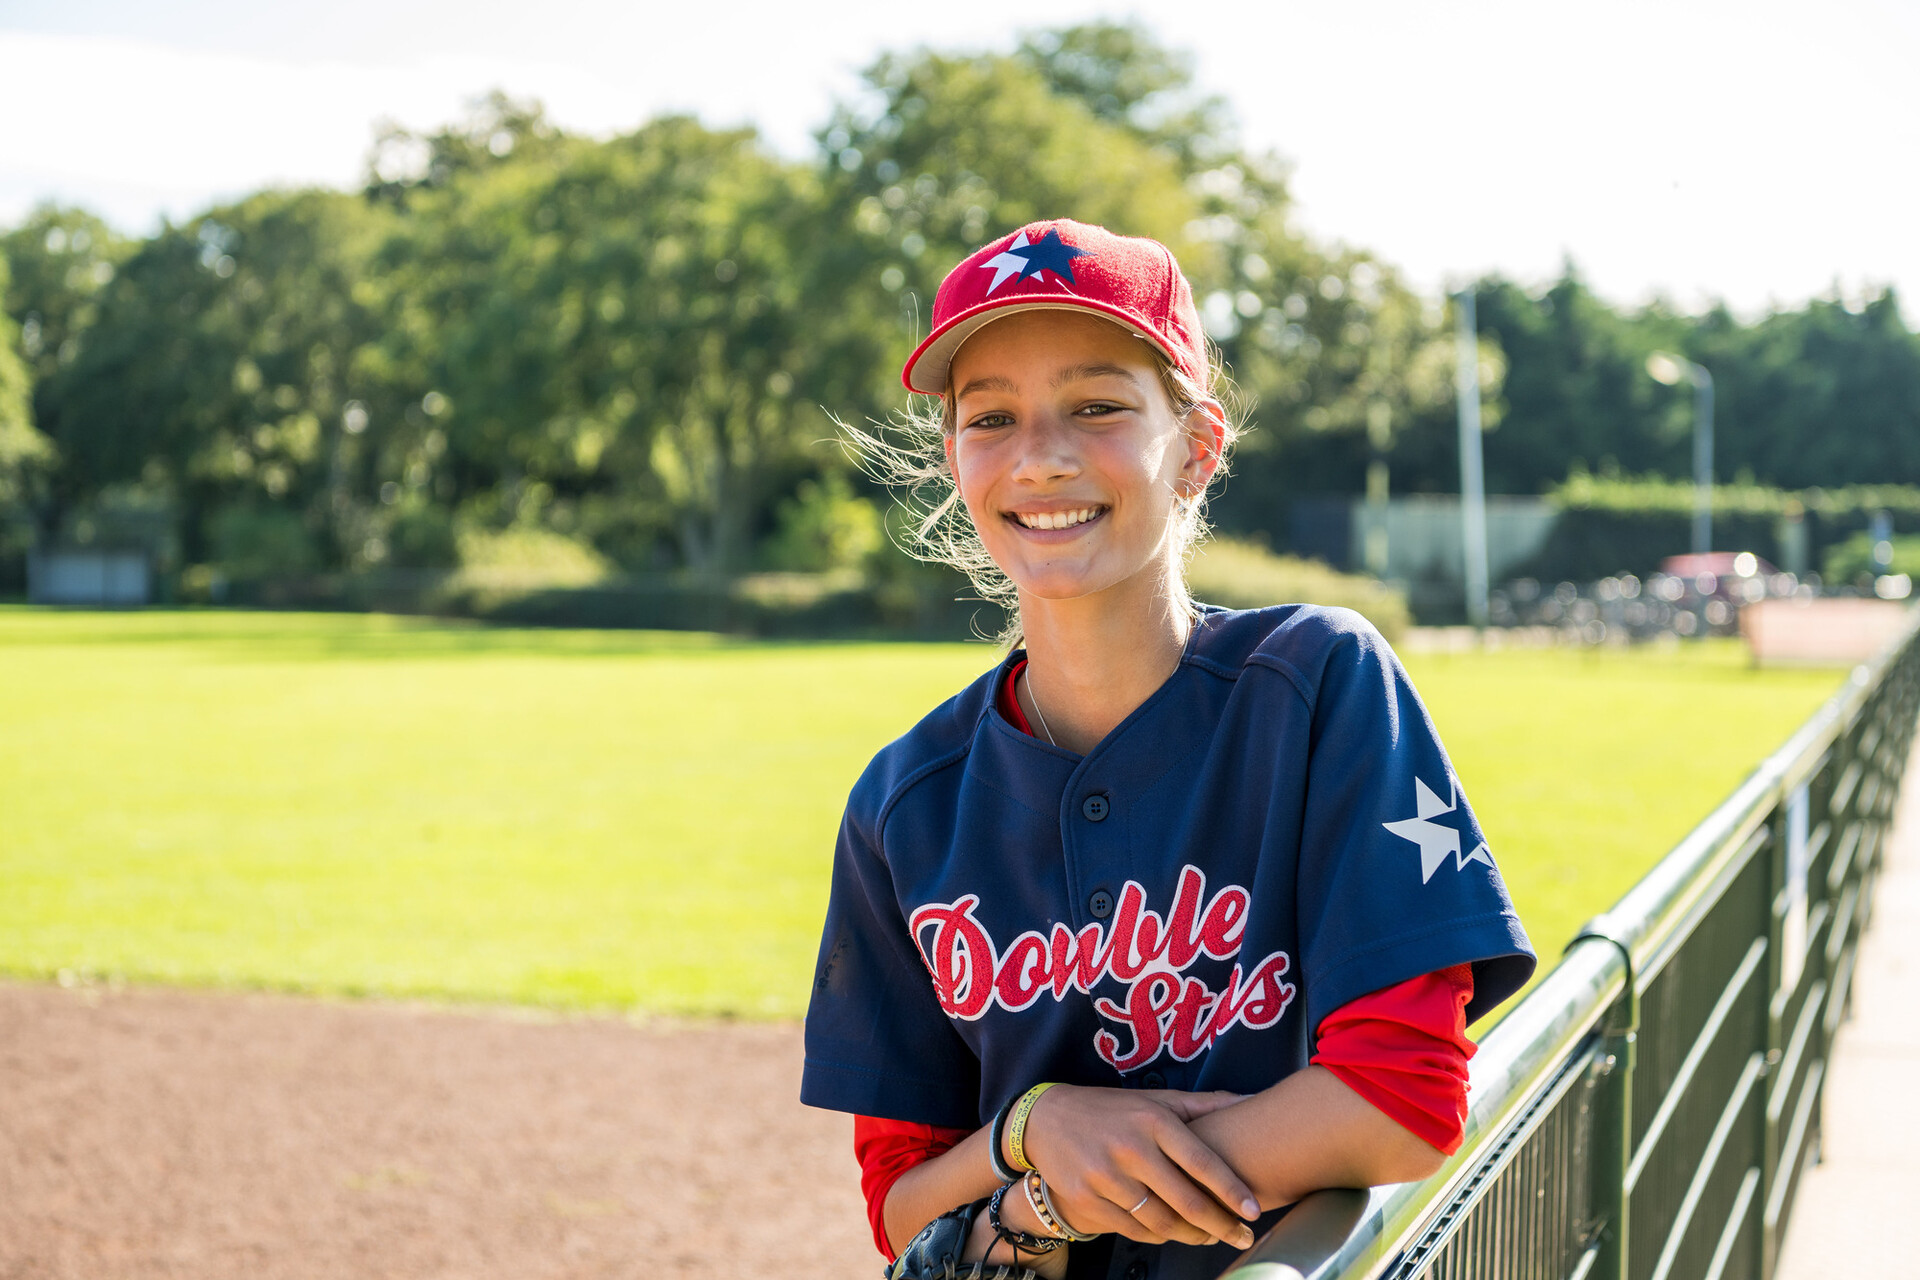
{"points": [[934, 1254]]}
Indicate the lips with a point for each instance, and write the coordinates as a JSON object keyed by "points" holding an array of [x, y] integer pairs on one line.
{"points": [[1055, 519]]}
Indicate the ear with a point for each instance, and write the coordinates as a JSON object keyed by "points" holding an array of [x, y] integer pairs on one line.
{"points": [[1206, 434]]}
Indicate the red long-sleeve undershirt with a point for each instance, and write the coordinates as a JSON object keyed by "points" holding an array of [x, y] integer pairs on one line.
{"points": [[1403, 1048]]}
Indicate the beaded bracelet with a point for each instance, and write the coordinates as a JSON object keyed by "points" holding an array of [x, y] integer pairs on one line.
{"points": [[1022, 1241], [1017, 1127], [996, 1133], [1041, 1201]]}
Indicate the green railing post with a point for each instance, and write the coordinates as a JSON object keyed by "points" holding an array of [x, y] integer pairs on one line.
{"points": [[1781, 982], [1607, 1234]]}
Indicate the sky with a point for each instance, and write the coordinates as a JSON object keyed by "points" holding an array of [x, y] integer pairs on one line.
{"points": [[1755, 152]]}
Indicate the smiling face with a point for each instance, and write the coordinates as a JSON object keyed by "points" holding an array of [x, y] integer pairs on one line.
{"points": [[1071, 457]]}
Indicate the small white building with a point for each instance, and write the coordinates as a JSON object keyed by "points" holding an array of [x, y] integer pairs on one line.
{"points": [[89, 577]]}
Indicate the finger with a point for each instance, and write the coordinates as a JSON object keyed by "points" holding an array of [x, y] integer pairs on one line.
{"points": [[1191, 1203], [1193, 1189], [1191, 1106], [1155, 1222], [1204, 1165]]}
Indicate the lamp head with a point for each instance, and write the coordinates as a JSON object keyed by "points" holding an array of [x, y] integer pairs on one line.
{"points": [[1662, 367]]}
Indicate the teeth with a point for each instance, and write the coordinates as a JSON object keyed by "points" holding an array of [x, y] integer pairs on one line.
{"points": [[1057, 519]]}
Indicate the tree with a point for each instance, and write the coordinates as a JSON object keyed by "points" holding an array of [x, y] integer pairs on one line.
{"points": [[619, 332], [1828, 394], [60, 260], [1121, 74], [24, 451], [221, 368]]}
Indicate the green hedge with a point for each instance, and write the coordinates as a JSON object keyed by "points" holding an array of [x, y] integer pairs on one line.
{"points": [[914, 601], [1614, 525], [796, 605], [1245, 575]]}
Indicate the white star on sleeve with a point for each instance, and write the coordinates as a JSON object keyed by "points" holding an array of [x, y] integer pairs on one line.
{"points": [[1436, 840], [1006, 262]]}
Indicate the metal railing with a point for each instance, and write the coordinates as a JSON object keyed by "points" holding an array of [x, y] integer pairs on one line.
{"points": [[1646, 1111]]}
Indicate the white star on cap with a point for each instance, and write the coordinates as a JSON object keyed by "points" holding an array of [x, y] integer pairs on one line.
{"points": [[1006, 262], [1436, 840]]}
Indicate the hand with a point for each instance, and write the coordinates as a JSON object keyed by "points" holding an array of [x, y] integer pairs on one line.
{"points": [[1123, 1160]]}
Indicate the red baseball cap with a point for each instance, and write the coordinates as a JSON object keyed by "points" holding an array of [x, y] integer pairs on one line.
{"points": [[1069, 266]]}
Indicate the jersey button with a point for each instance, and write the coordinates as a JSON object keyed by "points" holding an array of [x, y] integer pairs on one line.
{"points": [[1137, 1270], [1094, 807], [1153, 1080], [1100, 904]]}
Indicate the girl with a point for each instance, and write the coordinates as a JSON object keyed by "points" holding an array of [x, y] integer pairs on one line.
{"points": [[1181, 909]]}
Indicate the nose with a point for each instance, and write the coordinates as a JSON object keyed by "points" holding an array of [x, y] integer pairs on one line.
{"points": [[1049, 451]]}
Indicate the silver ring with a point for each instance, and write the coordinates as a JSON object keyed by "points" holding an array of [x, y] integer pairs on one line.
{"points": [[1143, 1203]]}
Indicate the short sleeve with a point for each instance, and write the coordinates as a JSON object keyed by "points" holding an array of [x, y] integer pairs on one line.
{"points": [[877, 1042], [1396, 878]]}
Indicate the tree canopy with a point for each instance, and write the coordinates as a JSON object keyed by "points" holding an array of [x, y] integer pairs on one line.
{"points": [[638, 343]]}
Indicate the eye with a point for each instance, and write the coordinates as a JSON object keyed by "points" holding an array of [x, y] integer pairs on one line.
{"points": [[1101, 409], [989, 420]]}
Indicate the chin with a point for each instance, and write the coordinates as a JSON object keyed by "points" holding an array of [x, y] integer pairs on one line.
{"points": [[1055, 585]]}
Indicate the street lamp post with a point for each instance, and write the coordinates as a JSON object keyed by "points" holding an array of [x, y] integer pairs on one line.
{"points": [[1673, 370], [1473, 487]]}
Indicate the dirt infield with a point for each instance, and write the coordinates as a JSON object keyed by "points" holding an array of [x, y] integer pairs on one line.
{"points": [[158, 1133]]}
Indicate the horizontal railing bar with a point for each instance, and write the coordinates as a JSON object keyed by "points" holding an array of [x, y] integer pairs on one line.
{"points": [[1817, 840], [1756, 1064], [1837, 997], [1869, 794], [1814, 942], [1730, 997], [1663, 943], [1842, 923], [1657, 904], [1790, 1061], [1651, 913], [1730, 1234], [1843, 857], [1843, 789], [1519, 1057], [1488, 1172], [1790, 1153]]}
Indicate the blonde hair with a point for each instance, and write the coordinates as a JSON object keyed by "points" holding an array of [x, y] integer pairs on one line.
{"points": [[908, 454]]}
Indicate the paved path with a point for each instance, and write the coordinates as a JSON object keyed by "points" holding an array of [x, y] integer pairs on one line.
{"points": [[1855, 1212]]}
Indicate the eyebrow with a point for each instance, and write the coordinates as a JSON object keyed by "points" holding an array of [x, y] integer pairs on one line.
{"points": [[1074, 373], [1081, 372], [992, 382]]}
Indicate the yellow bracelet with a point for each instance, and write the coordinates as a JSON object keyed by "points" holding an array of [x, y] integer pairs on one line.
{"points": [[1017, 1127]]}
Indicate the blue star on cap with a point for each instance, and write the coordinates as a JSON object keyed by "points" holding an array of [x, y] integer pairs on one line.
{"points": [[1022, 259]]}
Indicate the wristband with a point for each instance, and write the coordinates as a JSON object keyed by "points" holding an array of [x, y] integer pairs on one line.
{"points": [[1022, 1241], [1041, 1201], [996, 1132], [1017, 1127]]}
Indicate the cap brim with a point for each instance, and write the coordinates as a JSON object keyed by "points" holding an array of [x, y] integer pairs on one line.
{"points": [[928, 368]]}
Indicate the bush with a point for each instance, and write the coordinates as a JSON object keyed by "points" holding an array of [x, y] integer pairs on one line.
{"points": [[251, 542], [825, 526], [421, 537], [527, 556], [1852, 560], [1245, 575]]}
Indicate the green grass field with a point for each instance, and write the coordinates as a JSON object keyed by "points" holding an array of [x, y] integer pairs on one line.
{"points": [[355, 804]]}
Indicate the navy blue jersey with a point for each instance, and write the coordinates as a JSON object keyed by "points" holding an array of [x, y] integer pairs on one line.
{"points": [[1273, 833]]}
